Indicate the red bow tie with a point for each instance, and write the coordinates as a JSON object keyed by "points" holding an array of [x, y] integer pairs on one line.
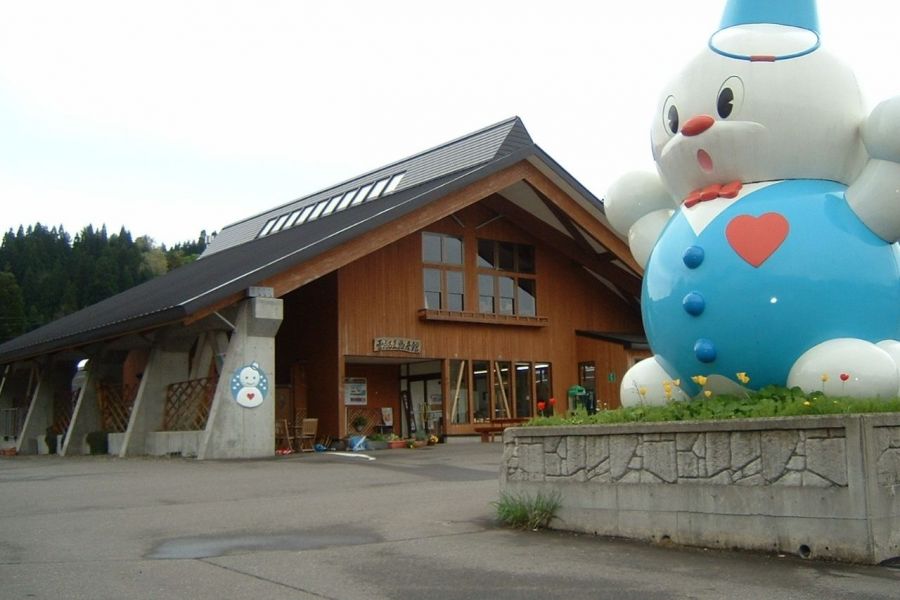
{"points": [[711, 192]]}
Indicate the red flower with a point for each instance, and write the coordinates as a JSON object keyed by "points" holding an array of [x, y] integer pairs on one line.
{"points": [[552, 401], [541, 405]]}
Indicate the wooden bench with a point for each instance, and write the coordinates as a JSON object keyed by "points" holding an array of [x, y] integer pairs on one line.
{"points": [[489, 429]]}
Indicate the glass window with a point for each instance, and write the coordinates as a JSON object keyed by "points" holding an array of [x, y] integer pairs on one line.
{"points": [[480, 389], [304, 214], [486, 293], [359, 196], [318, 210], [507, 296], [378, 188], [525, 258], [393, 183], [486, 254], [268, 228], [506, 253], [293, 219], [432, 288], [364, 191], [431, 248], [502, 390], [279, 223], [455, 290], [459, 392], [345, 199], [543, 383], [523, 390], [453, 250], [526, 297], [332, 204]]}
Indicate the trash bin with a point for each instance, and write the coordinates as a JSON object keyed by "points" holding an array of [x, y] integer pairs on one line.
{"points": [[581, 398]]}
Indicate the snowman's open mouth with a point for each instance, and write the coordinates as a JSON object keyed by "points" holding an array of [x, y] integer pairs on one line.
{"points": [[704, 160]]}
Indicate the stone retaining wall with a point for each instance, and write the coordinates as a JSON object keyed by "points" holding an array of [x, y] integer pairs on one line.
{"points": [[819, 486]]}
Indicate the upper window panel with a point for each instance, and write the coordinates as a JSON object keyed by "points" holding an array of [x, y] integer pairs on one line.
{"points": [[442, 248]]}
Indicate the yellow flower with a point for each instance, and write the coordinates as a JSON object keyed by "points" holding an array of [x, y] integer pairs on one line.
{"points": [[707, 393], [667, 386], [742, 377], [699, 380], [642, 390], [807, 403], [676, 381], [824, 377]]}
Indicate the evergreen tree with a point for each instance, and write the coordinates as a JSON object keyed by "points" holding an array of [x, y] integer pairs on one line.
{"points": [[12, 307]]}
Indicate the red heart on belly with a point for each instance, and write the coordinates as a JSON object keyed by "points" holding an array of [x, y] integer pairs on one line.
{"points": [[250, 396], [755, 239]]}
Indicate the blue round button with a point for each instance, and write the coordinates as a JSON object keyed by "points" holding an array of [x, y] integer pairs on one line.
{"points": [[693, 257], [693, 303], [705, 350]]}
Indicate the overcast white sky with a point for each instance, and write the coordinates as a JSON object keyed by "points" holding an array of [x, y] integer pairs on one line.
{"points": [[169, 117]]}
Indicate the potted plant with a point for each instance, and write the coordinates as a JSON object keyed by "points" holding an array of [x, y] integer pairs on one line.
{"points": [[377, 441], [395, 441], [359, 422]]}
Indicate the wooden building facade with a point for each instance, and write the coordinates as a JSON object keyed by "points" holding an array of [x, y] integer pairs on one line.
{"points": [[476, 280]]}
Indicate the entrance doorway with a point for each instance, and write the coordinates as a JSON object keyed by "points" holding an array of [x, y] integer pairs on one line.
{"points": [[428, 405]]}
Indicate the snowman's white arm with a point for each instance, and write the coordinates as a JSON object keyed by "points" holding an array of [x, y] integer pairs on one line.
{"points": [[638, 206], [875, 195]]}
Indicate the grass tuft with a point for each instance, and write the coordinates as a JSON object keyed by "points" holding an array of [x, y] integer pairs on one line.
{"points": [[523, 511]]}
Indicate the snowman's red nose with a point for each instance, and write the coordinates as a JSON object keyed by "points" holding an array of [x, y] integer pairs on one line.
{"points": [[697, 125]]}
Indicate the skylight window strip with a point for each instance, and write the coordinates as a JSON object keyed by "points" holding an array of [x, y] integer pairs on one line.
{"points": [[379, 187], [363, 191], [394, 182], [292, 220], [279, 223], [345, 201], [304, 214], [332, 204], [318, 211], [268, 228]]}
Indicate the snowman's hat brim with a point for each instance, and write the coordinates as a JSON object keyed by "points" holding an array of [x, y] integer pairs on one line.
{"points": [[767, 29]]}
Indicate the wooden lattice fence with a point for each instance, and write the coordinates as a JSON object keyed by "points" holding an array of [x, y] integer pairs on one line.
{"points": [[372, 417], [115, 403], [63, 408], [188, 404]]}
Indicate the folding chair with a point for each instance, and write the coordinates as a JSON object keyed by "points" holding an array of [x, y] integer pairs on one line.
{"points": [[308, 435], [284, 439]]}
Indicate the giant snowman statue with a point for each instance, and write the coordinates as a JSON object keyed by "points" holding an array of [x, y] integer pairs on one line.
{"points": [[769, 236]]}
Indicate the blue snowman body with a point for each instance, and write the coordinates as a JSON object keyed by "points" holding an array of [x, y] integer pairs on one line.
{"points": [[708, 310]]}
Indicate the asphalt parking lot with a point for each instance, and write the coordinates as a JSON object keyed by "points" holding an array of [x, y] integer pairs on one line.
{"points": [[388, 525]]}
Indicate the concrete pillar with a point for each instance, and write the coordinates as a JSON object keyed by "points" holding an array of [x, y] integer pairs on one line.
{"points": [[86, 417], [168, 363], [52, 378], [13, 391], [242, 418]]}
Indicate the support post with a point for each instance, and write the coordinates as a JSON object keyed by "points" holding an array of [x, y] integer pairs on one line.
{"points": [[240, 425]]}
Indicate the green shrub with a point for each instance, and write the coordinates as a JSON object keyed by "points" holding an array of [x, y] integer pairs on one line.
{"points": [[527, 512], [772, 401]]}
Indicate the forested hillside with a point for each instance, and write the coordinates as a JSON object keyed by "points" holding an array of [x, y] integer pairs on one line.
{"points": [[46, 274]]}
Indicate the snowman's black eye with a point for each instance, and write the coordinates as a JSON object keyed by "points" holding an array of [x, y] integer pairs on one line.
{"points": [[725, 102], [672, 119], [730, 97]]}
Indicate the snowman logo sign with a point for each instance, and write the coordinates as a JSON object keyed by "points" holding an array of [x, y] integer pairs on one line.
{"points": [[249, 385], [769, 234]]}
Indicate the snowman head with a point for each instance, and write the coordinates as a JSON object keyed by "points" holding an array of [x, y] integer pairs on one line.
{"points": [[249, 376], [763, 102]]}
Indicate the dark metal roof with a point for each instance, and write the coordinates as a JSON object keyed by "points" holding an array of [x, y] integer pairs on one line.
{"points": [[454, 156], [243, 260]]}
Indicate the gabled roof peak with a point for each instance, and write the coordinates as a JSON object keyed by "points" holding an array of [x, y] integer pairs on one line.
{"points": [[478, 147]]}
